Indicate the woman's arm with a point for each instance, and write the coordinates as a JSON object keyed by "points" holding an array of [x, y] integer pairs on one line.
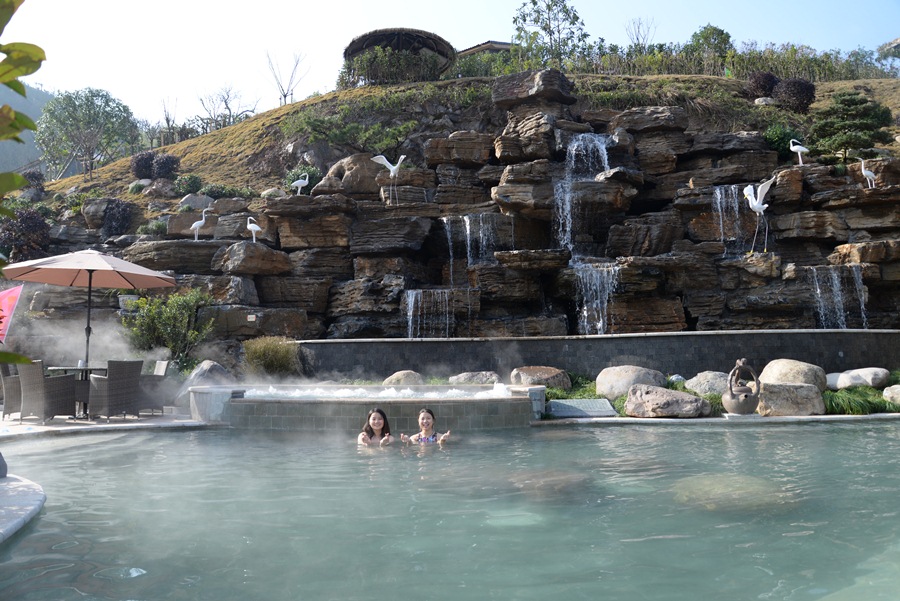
{"points": [[363, 439]]}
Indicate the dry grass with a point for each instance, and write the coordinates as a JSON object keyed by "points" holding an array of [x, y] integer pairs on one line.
{"points": [[231, 156]]}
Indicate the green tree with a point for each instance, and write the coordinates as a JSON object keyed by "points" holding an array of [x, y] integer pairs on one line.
{"points": [[851, 121], [20, 59], [170, 322], [710, 38], [89, 126], [549, 33]]}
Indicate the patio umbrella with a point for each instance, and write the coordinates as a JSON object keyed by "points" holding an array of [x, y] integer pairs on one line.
{"points": [[87, 269]]}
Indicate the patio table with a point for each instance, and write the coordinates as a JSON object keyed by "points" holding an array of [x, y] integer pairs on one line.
{"points": [[82, 383]]}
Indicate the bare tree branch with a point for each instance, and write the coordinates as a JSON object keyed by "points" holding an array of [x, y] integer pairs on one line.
{"points": [[286, 88]]}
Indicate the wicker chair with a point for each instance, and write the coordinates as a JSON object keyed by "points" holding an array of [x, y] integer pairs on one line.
{"points": [[118, 392], [12, 391], [153, 387], [45, 396]]}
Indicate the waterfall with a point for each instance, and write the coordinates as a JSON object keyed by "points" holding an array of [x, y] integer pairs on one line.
{"points": [[428, 314], [596, 282], [585, 158], [727, 207], [481, 237], [829, 291], [856, 272], [448, 229], [829, 298]]}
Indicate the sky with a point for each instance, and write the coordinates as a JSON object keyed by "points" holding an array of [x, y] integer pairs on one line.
{"points": [[172, 53]]}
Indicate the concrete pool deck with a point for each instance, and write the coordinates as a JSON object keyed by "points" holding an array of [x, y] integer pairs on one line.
{"points": [[21, 500]]}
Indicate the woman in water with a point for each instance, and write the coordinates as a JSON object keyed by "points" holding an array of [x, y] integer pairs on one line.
{"points": [[377, 430], [426, 433]]}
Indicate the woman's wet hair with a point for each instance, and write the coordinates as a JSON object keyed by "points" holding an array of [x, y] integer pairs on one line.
{"points": [[385, 429]]}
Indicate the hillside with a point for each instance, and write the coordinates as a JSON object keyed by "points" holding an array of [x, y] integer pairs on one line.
{"points": [[14, 156], [252, 154]]}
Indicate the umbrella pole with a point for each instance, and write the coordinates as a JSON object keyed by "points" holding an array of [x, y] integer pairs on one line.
{"points": [[87, 330]]}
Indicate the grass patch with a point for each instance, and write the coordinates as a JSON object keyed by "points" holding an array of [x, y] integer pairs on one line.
{"points": [[583, 387], [858, 400]]}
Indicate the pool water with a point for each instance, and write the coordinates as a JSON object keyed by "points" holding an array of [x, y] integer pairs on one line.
{"points": [[615, 513]]}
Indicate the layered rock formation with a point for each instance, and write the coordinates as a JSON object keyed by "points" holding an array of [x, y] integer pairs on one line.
{"points": [[561, 223]]}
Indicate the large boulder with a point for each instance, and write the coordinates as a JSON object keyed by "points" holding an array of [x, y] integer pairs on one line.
{"points": [[541, 375], [708, 382], [405, 377], [475, 377], [655, 401], [892, 394], [790, 371], [249, 258], [207, 373], [615, 381], [876, 377], [790, 399]]}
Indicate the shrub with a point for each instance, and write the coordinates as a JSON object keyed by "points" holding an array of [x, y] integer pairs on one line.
{"points": [[778, 137], [165, 165], [135, 188], [170, 322], [315, 176], [157, 227], [35, 178], [381, 66], [26, 236], [188, 184], [795, 94], [142, 164], [272, 355], [761, 84], [222, 191], [116, 218]]}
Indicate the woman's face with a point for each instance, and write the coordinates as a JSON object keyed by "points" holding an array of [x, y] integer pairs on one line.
{"points": [[376, 421], [426, 422]]}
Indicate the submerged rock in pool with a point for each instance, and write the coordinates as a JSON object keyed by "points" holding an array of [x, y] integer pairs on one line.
{"points": [[730, 492], [552, 485]]}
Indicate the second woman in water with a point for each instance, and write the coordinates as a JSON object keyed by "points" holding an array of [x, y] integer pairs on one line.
{"points": [[426, 433]]}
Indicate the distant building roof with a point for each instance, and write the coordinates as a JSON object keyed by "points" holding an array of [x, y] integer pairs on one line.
{"points": [[489, 46], [411, 40]]}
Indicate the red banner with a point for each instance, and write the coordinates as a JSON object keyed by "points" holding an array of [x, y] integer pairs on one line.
{"points": [[8, 300]]}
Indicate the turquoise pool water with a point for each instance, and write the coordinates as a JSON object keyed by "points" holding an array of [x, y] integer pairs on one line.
{"points": [[614, 513]]}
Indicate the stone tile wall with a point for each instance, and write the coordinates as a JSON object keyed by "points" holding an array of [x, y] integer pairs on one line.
{"points": [[686, 353]]}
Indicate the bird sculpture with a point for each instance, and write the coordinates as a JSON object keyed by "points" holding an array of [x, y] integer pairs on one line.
{"points": [[392, 169], [251, 225], [755, 198], [870, 177], [195, 227], [800, 150], [301, 183]]}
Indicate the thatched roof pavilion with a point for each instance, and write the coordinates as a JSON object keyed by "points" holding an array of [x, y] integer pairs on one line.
{"points": [[410, 40]]}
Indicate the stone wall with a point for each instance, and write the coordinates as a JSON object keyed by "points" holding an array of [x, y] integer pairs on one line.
{"points": [[686, 353]]}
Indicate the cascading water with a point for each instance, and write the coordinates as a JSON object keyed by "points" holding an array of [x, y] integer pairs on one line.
{"points": [[428, 314], [481, 237], [829, 292], [585, 158], [727, 207], [596, 282], [448, 228], [856, 272]]}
